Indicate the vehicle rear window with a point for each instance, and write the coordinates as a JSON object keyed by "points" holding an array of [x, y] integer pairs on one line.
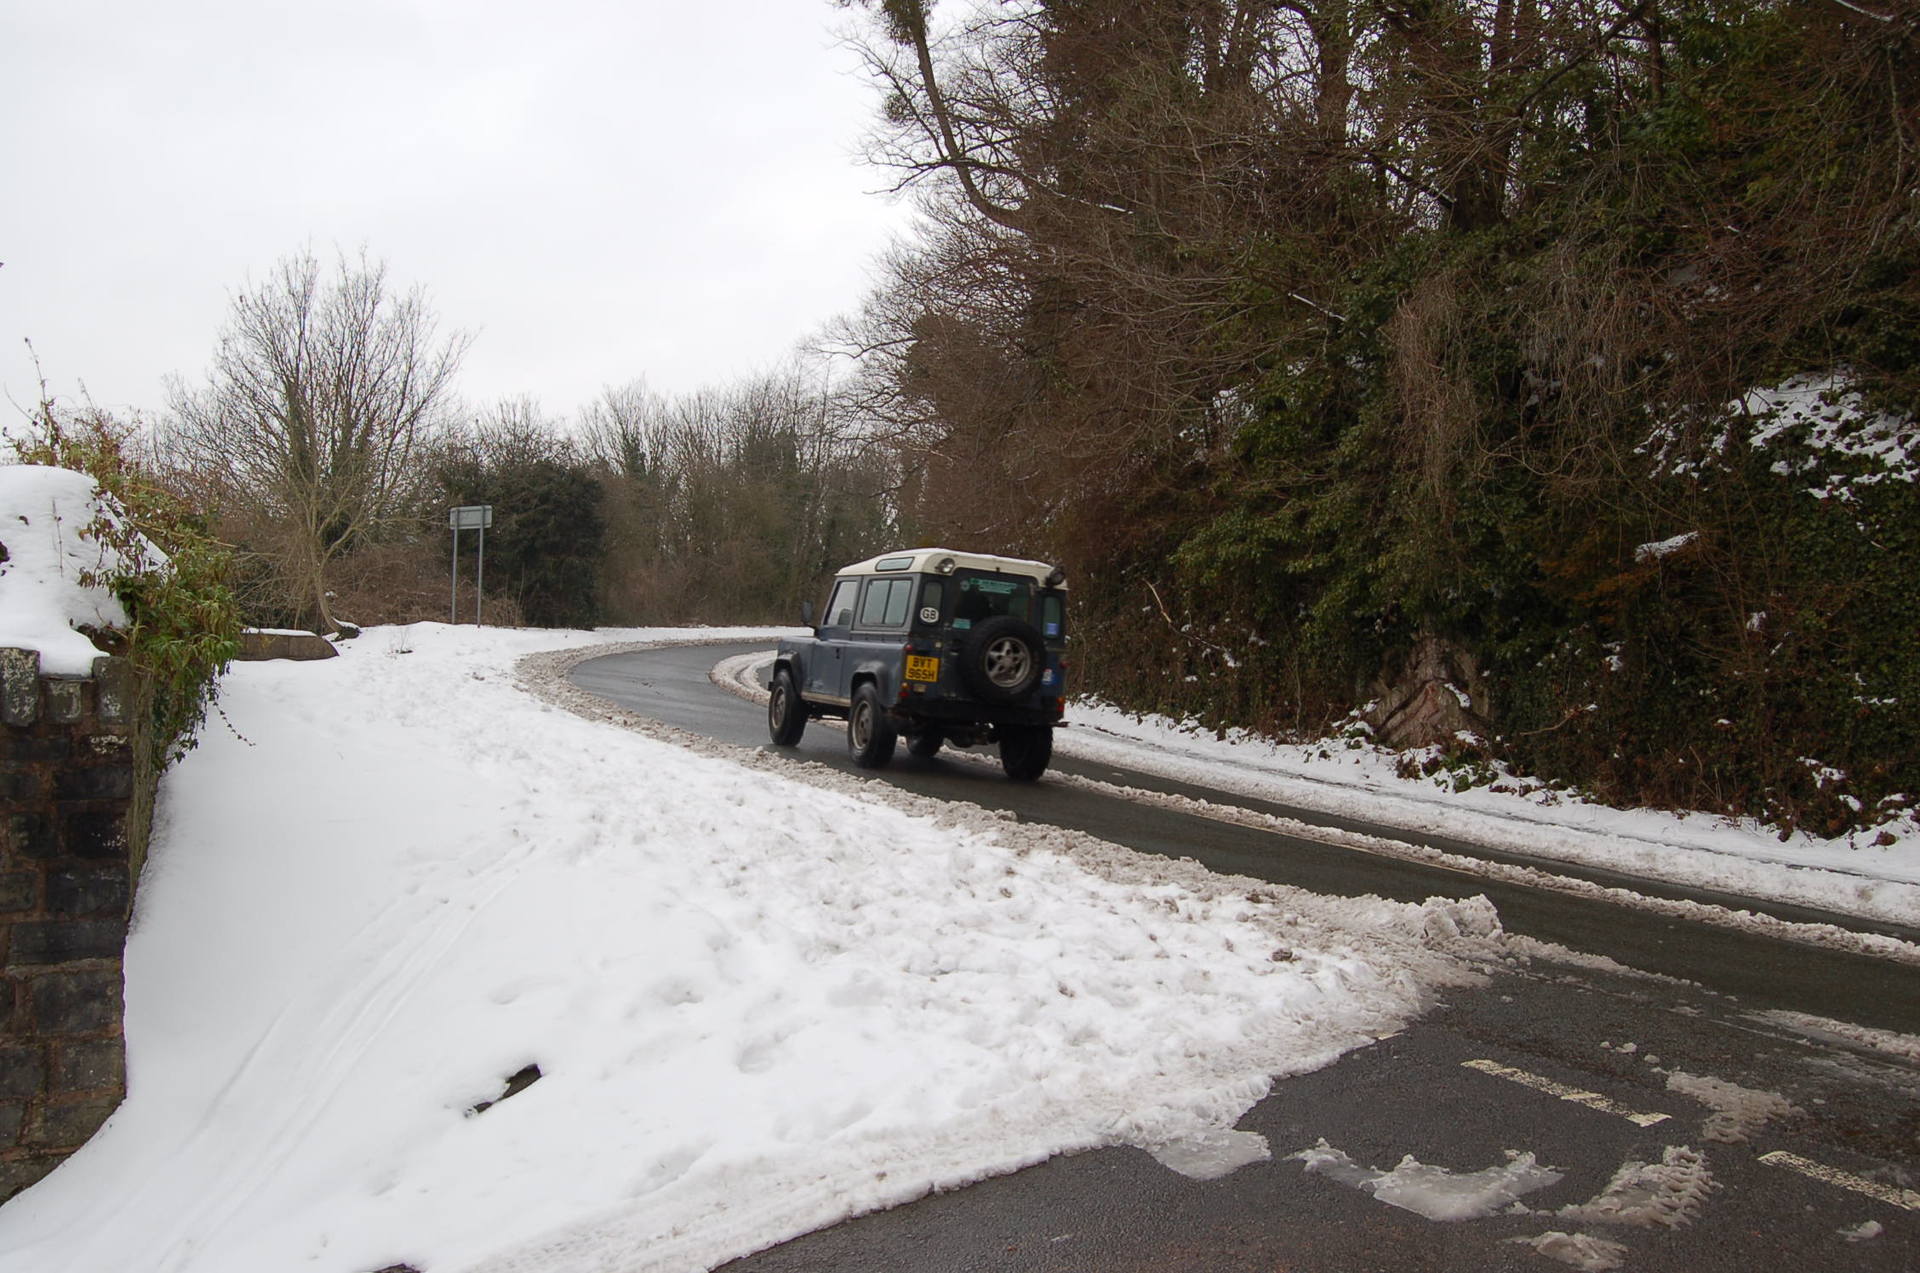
{"points": [[982, 597]]}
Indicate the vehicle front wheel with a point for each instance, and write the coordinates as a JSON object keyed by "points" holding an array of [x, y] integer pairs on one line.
{"points": [[926, 744], [786, 714], [1025, 751], [870, 735]]}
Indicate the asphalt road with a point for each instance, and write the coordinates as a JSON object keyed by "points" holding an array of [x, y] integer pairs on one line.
{"points": [[1558, 1026], [671, 685]]}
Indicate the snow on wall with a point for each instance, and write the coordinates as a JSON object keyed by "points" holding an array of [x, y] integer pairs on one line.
{"points": [[50, 564]]}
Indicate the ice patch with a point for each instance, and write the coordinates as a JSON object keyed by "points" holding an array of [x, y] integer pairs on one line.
{"points": [[1865, 1231], [1435, 1192], [1669, 1193], [1210, 1154], [1905, 1047], [1581, 1250], [1738, 1111]]}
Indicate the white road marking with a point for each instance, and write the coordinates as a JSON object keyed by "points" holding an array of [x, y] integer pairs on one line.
{"points": [[1904, 1198], [1592, 1100]]}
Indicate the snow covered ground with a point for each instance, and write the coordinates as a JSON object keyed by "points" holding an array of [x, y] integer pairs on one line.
{"points": [[756, 1004], [758, 996]]}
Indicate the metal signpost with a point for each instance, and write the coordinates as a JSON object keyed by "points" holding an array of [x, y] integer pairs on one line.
{"points": [[468, 517]]}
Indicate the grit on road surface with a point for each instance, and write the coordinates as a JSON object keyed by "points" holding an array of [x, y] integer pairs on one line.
{"points": [[1729, 1120]]}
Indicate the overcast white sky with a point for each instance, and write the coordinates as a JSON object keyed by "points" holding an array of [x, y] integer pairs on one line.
{"points": [[601, 190]]}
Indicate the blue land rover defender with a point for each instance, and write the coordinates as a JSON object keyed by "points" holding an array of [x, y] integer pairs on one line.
{"points": [[943, 647]]}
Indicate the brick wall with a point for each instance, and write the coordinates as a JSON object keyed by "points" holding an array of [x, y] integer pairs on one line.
{"points": [[67, 780]]}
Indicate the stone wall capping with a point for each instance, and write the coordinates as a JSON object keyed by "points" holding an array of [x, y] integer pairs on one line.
{"points": [[66, 699], [19, 686], [258, 645], [114, 679]]}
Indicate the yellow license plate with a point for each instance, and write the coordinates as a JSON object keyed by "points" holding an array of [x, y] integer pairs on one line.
{"points": [[922, 668]]}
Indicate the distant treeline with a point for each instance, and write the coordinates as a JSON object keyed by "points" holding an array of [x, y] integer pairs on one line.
{"points": [[717, 507], [325, 449]]}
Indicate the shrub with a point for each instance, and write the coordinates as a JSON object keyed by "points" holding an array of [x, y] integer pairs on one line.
{"points": [[185, 624]]}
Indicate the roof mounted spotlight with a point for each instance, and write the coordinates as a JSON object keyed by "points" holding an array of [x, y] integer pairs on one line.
{"points": [[945, 565], [1056, 577]]}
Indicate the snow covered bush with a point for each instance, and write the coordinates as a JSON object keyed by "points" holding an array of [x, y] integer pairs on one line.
{"points": [[1772, 646], [176, 620]]}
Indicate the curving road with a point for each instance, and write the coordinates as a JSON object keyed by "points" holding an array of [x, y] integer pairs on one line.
{"points": [[672, 685], [1559, 1026]]}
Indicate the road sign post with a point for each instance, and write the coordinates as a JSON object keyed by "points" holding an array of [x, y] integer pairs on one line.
{"points": [[475, 517]]}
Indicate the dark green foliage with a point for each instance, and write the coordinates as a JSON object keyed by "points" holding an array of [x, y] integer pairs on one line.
{"points": [[186, 626], [185, 621], [548, 537], [1382, 398]]}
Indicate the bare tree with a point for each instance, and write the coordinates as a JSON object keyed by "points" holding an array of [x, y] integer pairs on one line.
{"points": [[624, 430], [311, 422]]}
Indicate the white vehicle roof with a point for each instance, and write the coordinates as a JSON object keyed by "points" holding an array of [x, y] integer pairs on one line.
{"points": [[930, 560]]}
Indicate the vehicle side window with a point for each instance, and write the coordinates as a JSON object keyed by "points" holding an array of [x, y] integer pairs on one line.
{"points": [[886, 603], [899, 599], [840, 608]]}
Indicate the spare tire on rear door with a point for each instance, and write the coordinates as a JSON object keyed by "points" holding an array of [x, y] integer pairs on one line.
{"points": [[1002, 658]]}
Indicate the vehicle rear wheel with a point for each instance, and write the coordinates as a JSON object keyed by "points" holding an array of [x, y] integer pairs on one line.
{"points": [[1025, 751], [786, 714], [870, 735], [926, 743]]}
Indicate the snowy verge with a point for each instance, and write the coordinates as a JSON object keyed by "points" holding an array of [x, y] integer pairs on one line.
{"points": [[1696, 850], [756, 1004], [1870, 883]]}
